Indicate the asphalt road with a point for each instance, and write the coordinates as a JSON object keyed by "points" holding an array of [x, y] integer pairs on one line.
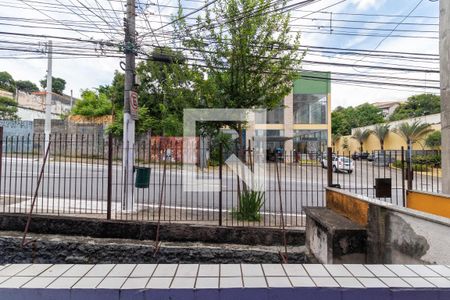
{"points": [[83, 186]]}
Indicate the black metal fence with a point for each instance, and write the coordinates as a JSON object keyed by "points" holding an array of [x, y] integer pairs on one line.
{"points": [[83, 176]]}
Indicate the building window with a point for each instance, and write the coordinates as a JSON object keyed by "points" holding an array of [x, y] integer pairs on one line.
{"points": [[310, 141], [310, 109], [275, 116]]}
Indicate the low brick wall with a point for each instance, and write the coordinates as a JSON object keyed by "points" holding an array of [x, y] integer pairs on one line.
{"points": [[147, 230], [436, 204]]}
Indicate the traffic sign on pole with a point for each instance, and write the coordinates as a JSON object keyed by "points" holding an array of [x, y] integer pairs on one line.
{"points": [[134, 105]]}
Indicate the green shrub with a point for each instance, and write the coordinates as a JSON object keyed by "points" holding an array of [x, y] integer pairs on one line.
{"points": [[249, 205], [430, 160], [416, 167]]}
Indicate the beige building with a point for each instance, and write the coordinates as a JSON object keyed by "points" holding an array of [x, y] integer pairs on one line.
{"points": [[393, 140], [303, 122], [387, 107]]}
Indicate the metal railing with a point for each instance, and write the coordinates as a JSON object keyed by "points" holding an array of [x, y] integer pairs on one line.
{"points": [[84, 177]]}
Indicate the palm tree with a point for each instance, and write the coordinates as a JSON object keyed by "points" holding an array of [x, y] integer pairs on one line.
{"points": [[335, 139], [381, 131], [414, 132], [361, 136]]}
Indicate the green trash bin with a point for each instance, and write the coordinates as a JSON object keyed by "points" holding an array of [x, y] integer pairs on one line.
{"points": [[142, 177]]}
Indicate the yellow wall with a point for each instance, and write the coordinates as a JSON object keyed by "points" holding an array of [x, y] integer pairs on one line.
{"points": [[392, 142], [429, 203]]}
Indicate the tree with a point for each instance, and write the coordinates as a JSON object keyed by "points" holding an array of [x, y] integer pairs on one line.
{"points": [[345, 145], [26, 86], [381, 131], [7, 82], [433, 140], [335, 139], [344, 119], [417, 106], [8, 109], [361, 136], [250, 56], [92, 104], [414, 132], [58, 85]]}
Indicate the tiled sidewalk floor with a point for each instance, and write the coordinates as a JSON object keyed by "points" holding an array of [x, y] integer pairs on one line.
{"points": [[184, 281]]}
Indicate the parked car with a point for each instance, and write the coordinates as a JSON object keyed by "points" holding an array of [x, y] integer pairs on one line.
{"points": [[382, 160], [360, 155], [370, 157], [340, 164]]}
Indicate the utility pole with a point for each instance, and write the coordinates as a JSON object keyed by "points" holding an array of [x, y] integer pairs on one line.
{"points": [[71, 99], [48, 99], [445, 92], [129, 115]]}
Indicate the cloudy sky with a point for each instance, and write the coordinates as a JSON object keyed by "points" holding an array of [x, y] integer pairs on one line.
{"points": [[381, 25]]}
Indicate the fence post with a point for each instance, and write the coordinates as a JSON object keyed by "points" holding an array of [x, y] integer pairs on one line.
{"points": [[109, 184], [403, 176], [409, 168], [220, 180], [329, 166]]}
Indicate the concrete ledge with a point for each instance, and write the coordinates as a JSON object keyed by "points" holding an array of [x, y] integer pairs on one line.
{"points": [[231, 281], [332, 238], [147, 230]]}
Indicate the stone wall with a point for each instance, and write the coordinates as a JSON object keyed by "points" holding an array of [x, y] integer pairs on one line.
{"points": [[100, 228], [82, 250]]}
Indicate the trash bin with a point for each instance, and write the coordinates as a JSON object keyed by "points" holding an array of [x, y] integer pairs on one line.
{"points": [[142, 177]]}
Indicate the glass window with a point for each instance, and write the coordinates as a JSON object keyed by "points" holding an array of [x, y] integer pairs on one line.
{"points": [[310, 109], [310, 141], [275, 116]]}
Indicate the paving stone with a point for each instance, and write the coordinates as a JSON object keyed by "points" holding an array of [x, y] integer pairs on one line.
{"points": [[12, 270], [34, 270], [418, 282], [100, 270], [423, 270], [439, 282], [337, 270], [252, 270], [294, 270], [183, 283], [358, 270], [208, 270], [371, 282], [39, 282], [112, 283], [187, 270], [123, 270], [56, 270], [165, 270], [278, 281], [159, 282], [143, 270], [254, 282], [135, 283], [231, 282], [394, 282], [348, 282], [325, 281], [440, 269], [302, 282], [316, 270], [401, 271], [207, 283], [88, 283], [64, 283], [77, 271], [273, 270], [230, 270], [380, 271], [15, 282]]}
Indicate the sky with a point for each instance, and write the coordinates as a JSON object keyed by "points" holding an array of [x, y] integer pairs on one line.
{"points": [[319, 29]]}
